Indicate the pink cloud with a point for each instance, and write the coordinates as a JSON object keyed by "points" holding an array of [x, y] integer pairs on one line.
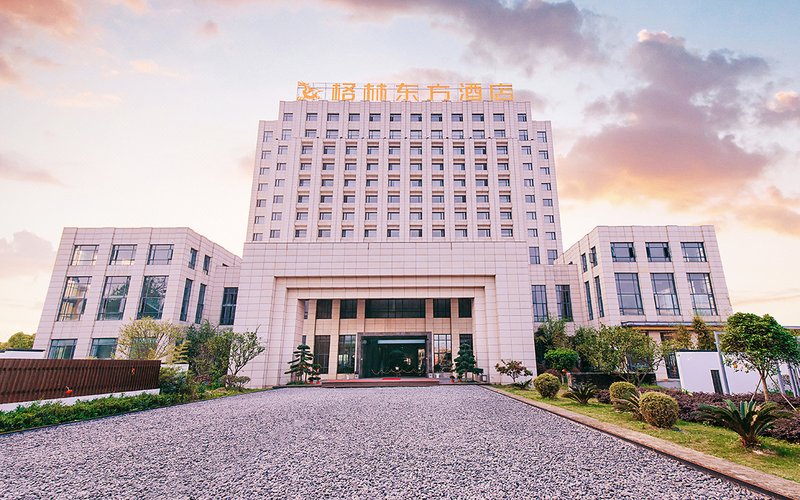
{"points": [[11, 170], [208, 29], [783, 107], [57, 16], [25, 254]]}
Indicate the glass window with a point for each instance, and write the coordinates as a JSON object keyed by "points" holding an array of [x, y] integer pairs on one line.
{"points": [[564, 302], [228, 313], [192, 258], [346, 358], [395, 117], [159, 254], [552, 255], [73, 300], [122, 255], [523, 135], [533, 255], [441, 308], [442, 353], [353, 117], [84, 255], [623, 252], [477, 117], [206, 263], [115, 294], [693, 251], [62, 349], [539, 298], [584, 264], [348, 309], [465, 308], [658, 252], [703, 301], [103, 348], [395, 308], [588, 291], [322, 352], [154, 290], [522, 117], [333, 117], [599, 292], [593, 256], [665, 294], [324, 308], [541, 136], [187, 295], [629, 294], [374, 117]]}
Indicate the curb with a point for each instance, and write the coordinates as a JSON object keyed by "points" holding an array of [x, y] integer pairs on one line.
{"points": [[758, 481]]}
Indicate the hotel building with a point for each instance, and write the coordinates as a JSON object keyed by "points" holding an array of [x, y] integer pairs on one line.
{"points": [[386, 233]]}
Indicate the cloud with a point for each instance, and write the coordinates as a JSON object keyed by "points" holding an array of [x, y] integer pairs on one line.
{"points": [[773, 210], [12, 171], [150, 67], [87, 100], [208, 29], [668, 141], [783, 107], [516, 33], [56, 16], [25, 254], [136, 6], [7, 72]]}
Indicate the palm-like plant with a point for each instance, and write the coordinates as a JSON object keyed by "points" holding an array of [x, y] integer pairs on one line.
{"points": [[581, 393], [630, 403], [748, 419]]}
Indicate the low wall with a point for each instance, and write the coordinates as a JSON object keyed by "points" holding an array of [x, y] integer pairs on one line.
{"points": [[43, 379]]}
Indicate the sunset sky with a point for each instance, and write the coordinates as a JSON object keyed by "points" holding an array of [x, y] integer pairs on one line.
{"points": [[137, 113]]}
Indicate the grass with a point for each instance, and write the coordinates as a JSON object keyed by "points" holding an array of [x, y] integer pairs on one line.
{"points": [[779, 457]]}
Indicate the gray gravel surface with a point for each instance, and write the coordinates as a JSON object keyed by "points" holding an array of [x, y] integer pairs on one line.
{"points": [[427, 442]]}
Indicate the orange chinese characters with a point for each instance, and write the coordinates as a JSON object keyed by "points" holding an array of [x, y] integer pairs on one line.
{"points": [[343, 92], [406, 92], [470, 92], [306, 92], [437, 89], [501, 92], [374, 92]]}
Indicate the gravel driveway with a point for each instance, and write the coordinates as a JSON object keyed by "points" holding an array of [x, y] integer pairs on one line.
{"points": [[428, 442]]}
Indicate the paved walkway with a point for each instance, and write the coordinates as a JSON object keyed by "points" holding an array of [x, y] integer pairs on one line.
{"points": [[434, 442]]}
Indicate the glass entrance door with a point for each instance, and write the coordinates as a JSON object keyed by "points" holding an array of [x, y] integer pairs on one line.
{"points": [[394, 356]]}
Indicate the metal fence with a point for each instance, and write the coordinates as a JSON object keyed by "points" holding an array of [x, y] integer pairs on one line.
{"points": [[37, 379]]}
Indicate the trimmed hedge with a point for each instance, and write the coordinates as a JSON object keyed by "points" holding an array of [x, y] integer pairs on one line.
{"points": [[547, 385], [604, 380], [658, 409]]}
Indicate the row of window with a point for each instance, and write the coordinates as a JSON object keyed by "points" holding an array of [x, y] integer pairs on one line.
{"points": [[350, 199], [413, 117], [102, 348], [693, 251], [414, 150], [414, 232], [389, 308], [372, 166], [312, 133], [125, 255], [394, 182], [395, 215]]}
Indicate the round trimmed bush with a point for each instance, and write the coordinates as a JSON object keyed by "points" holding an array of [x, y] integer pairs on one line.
{"points": [[619, 390], [547, 385], [659, 409]]}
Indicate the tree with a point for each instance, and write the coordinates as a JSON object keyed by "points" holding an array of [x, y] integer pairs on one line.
{"points": [[682, 338], [465, 361], [244, 348], [561, 359], [19, 340], [705, 337], [551, 334], [586, 341], [759, 343], [513, 369], [209, 350], [621, 350], [147, 338], [301, 366]]}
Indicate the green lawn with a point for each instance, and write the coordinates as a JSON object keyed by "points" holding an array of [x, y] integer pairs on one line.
{"points": [[780, 458]]}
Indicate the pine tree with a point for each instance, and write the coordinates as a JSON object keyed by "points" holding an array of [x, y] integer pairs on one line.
{"points": [[705, 337], [301, 365], [682, 338], [465, 362]]}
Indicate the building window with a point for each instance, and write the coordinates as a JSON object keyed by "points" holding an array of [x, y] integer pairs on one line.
{"points": [[552, 255], [703, 301], [442, 353], [393, 232], [300, 233], [115, 294], [588, 290], [324, 309], [348, 233], [348, 309], [484, 232], [623, 252], [526, 150], [694, 251], [274, 233], [441, 308], [346, 358], [533, 233], [665, 294], [548, 202], [629, 294], [541, 136], [228, 313], [523, 135], [206, 263], [192, 258], [159, 255], [73, 301], [529, 198], [543, 155], [564, 302], [593, 256], [154, 290], [533, 255], [333, 117], [353, 117], [465, 308], [395, 117], [506, 232], [437, 232], [415, 232], [311, 134], [62, 349], [201, 302], [584, 265], [395, 308], [599, 292], [322, 352], [658, 252], [539, 298], [122, 255], [374, 117], [187, 295], [103, 348], [84, 255]]}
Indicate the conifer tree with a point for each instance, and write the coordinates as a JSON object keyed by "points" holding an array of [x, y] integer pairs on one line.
{"points": [[705, 337], [302, 364], [465, 362]]}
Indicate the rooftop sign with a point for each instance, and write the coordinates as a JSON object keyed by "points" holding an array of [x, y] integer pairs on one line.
{"points": [[404, 92]]}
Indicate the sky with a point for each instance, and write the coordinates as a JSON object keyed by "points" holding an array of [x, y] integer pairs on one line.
{"points": [[145, 113]]}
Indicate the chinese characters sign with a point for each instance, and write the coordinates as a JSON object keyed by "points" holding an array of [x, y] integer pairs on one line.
{"points": [[404, 92]]}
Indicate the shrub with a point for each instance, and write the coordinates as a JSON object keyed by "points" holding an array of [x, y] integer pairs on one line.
{"points": [[603, 396], [174, 381], [513, 369], [747, 419], [658, 409], [234, 382], [561, 359], [787, 429], [629, 402], [581, 393], [547, 385], [618, 392]]}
